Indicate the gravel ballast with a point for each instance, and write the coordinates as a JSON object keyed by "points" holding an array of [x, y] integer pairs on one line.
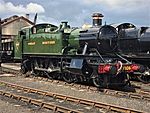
{"points": [[68, 90]]}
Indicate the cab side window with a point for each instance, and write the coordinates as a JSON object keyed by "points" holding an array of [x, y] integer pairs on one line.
{"points": [[23, 34]]}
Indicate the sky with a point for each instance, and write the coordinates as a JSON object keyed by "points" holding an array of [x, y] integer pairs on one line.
{"points": [[78, 12]]}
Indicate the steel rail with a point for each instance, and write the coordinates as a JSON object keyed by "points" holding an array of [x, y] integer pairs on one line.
{"points": [[72, 99], [142, 94], [50, 106]]}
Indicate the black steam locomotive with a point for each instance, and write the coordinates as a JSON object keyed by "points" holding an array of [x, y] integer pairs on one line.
{"points": [[134, 44]]}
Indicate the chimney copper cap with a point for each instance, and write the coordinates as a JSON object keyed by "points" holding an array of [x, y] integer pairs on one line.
{"points": [[97, 15]]}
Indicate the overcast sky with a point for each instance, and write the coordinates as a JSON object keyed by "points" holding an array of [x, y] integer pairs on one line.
{"points": [[78, 12]]}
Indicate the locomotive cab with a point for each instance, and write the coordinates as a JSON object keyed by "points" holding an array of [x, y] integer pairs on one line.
{"points": [[23, 34]]}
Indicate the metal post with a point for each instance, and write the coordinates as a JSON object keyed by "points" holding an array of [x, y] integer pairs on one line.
{"points": [[0, 46], [85, 48]]}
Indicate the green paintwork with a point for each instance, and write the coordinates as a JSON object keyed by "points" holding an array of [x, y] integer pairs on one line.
{"points": [[37, 40], [18, 43], [18, 48], [74, 38], [44, 43]]}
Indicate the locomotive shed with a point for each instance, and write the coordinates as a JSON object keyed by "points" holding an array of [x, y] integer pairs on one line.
{"points": [[38, 83]]}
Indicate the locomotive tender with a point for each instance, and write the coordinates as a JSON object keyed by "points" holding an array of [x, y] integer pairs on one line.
{"points": [[74, 54]]}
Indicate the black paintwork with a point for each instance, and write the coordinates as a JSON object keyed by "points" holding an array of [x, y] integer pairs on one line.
{"points": [[134, 40], [103, 38]]}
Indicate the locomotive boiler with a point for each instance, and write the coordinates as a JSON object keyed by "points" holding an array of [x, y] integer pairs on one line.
{"points": [[103, 38]]}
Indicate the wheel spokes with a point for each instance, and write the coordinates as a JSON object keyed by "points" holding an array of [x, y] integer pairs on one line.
{"points": [[98, 81], [68, 77]]}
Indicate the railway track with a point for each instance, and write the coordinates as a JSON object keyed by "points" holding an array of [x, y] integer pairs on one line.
{"points": [[138, 85], [38, 102], [58, 108], [140, 94]]}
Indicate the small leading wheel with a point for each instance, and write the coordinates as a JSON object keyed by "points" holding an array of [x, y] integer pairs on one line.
{"points": [[25, 66], [144, 78], [68, 77], [98, 81], [23, 69]]}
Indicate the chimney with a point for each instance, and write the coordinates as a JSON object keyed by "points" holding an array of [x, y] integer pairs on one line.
{"points": [[64, 24], [27, 16], [97, 19]]}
